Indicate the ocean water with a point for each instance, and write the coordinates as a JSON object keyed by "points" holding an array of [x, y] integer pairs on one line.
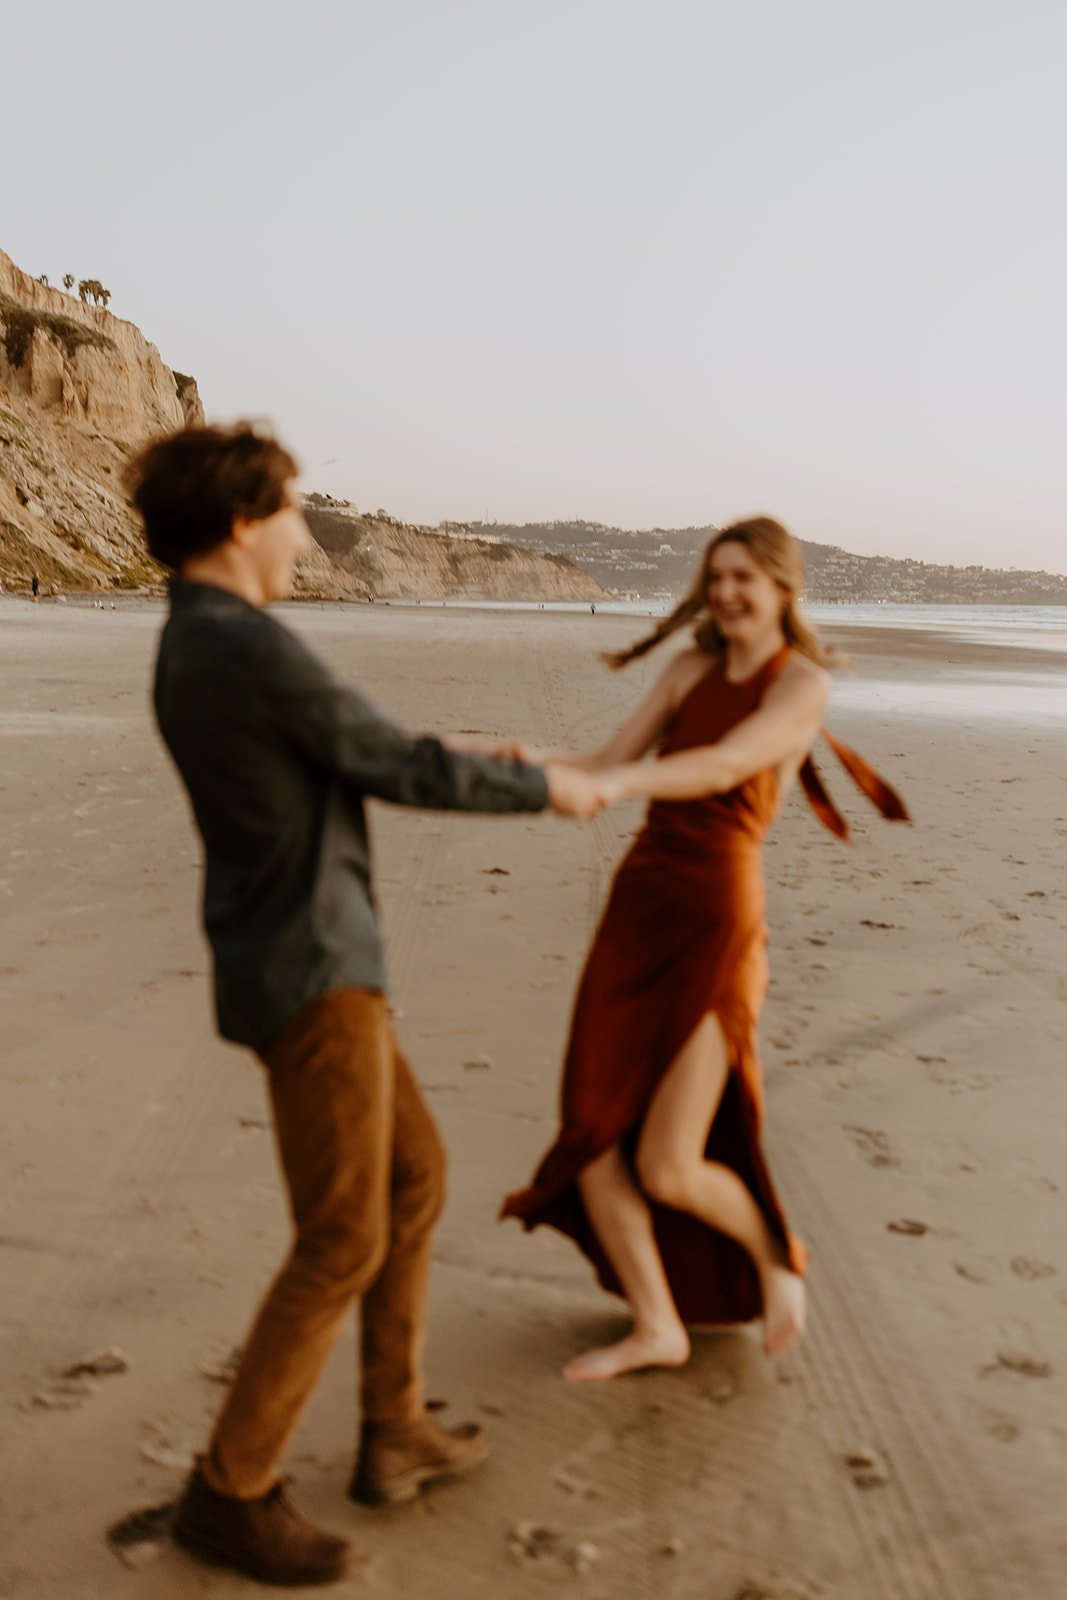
{"points": [[1043, 627], [1039, 627]]}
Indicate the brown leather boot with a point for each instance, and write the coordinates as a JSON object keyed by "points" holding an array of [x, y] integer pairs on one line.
{"points": [[266, 1539], [396, 1460]]}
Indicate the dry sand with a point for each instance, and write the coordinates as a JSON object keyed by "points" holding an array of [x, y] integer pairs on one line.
{"points": [[914, 1046]]}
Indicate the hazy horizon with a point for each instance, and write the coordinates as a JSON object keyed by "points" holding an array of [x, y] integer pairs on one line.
{"points": [[650, 267]]}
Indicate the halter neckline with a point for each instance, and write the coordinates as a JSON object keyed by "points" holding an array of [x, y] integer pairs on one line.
{"points": [[743, 683]]}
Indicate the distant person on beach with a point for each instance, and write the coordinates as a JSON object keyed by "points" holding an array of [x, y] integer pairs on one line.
{"points": [[658, 1172], [35, 587], [278, 755]]}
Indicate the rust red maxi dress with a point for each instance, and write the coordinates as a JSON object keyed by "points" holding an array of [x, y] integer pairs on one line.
{"points": [[683, 934]]}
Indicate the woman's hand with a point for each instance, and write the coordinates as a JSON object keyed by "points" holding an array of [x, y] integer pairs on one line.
{"points": [[573, 793]]}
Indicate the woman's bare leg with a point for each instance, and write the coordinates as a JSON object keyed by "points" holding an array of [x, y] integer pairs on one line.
{"points": [[623, 1224], [672, 1169]]}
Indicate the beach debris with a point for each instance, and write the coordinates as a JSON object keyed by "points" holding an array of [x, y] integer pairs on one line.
{"points": [[139, 1539], [496, 872], [478, 1064], [868, 922], [533, 1541], [224, 1368], [720, 1387], [101, 1364], [908, 1226], [867, 1469], [1025, 1267], [64, 1394], [1017, 1361], [163, 1450]]}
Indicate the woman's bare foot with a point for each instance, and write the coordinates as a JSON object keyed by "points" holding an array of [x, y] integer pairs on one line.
{"points": [[667, 1349], [784, 1309]]}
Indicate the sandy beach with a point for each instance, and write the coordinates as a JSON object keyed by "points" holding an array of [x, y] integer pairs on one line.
{"points": [[913, 1448]]}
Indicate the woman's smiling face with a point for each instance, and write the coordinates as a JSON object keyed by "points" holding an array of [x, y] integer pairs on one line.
{"points": [[744, 600]]}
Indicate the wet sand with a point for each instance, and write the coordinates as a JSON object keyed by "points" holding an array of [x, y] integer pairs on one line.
{"points": [[914, 1042]]}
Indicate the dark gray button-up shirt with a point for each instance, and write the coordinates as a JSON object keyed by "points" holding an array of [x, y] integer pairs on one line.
{"points": [[277, 754]]}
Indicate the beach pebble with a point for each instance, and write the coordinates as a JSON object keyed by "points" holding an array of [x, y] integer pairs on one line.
{"points": [[533, 1541]]}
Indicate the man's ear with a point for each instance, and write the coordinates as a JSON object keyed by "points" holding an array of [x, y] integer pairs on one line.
{"points": [[243, 532]]}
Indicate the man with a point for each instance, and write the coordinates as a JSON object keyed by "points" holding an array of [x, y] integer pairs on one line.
{"points": [[277, 755]]}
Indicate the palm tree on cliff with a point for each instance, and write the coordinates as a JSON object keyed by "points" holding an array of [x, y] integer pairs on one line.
{"points": [[68, 281], [105, 295], [44, 279]]}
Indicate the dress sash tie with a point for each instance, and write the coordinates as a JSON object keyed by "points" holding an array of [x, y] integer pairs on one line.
{"points": [[863, 776]]}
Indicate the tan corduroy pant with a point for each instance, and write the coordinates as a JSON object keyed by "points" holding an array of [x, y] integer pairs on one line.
{"points": [[364, 1167]]}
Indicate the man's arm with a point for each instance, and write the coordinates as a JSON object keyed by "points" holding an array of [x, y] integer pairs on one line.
{"points": [[344, 733]]}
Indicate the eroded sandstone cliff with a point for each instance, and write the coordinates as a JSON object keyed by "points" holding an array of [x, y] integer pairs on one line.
{"points": [[379, 555], [80, 388]]}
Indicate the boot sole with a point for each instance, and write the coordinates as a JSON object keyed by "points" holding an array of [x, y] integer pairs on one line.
{"points": [[408, 1487], [217, 1555]]}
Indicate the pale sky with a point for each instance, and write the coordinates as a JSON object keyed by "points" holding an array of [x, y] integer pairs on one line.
{"points": [[646, 263]]}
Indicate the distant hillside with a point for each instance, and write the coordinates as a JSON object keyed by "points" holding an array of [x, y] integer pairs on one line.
{"points": [[382, 556], [651, 562]]}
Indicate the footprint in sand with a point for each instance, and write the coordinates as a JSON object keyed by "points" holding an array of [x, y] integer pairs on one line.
{"points": [[873, 1145], [571, 1473], [1030, 1270], [1002, 1427]]}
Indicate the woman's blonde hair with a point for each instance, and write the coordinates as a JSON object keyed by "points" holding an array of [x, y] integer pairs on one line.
{"points": [[774, 549]]}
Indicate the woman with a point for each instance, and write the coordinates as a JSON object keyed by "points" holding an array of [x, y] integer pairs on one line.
{"points": [[658, 1174]]}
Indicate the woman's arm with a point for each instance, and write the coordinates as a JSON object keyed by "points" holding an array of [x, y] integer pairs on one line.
{"points": [[784, 726], [643, 729]]}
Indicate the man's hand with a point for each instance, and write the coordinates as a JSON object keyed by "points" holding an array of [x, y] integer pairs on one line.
{"points": [[572, 793]]}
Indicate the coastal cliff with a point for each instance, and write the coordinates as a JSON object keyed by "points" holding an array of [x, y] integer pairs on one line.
{"points": [[378, 555], [80, 389]]}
